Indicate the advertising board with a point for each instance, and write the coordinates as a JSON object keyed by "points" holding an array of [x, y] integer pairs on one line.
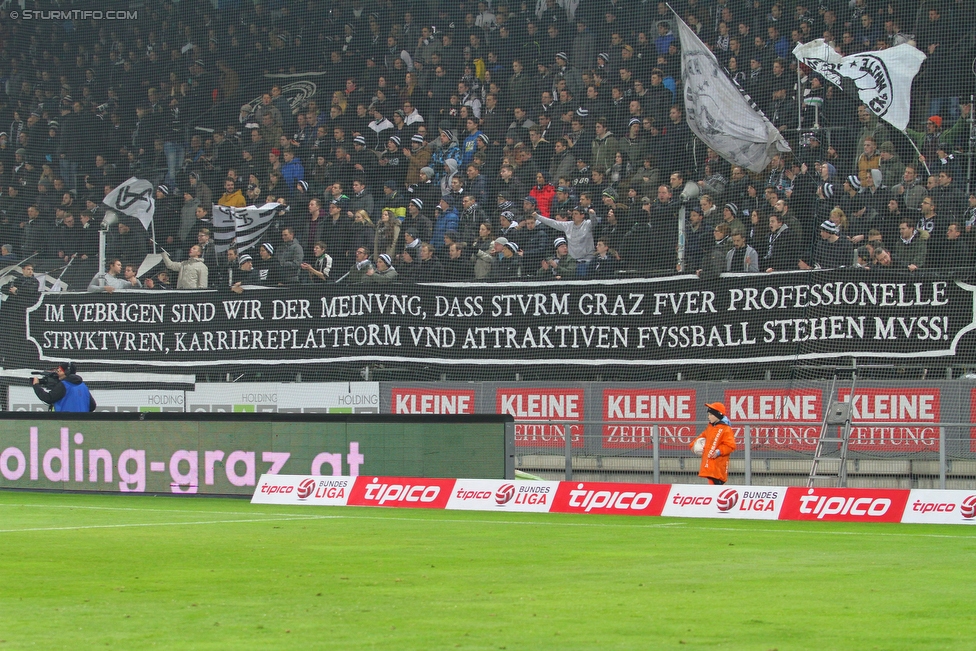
{"points": [[534, 409], [303, 489], [610, 498], [916, 406], [633, 413], [109, 400], [402, 492], [844, 504], [605, 498], [941, 507], [427, 400], [289, 398], [783, 419], [502, 495], [225, 454], [242, 397], [735, 502]]}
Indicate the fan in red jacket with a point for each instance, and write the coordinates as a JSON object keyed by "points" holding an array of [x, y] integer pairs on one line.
{"points": [[543, 193], [719, 445]]}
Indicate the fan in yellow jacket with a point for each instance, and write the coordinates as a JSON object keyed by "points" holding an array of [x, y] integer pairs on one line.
{"points": [[232, 197], [719, 445]]}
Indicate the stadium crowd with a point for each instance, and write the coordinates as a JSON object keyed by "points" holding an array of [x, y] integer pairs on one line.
{"points": [[472, 140]]}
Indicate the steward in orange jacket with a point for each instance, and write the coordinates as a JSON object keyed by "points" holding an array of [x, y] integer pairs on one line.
{"points": [[719, 445]]}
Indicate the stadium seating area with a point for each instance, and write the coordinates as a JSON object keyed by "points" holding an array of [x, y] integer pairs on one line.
{"points": [[424, 141]]}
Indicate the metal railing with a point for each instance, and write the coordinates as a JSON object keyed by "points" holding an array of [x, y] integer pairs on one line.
{"points": [[935, 455]]}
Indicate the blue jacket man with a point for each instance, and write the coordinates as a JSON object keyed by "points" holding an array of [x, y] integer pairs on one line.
{"points": [[447, 220], [292, 171], [69, 394], [470, 145]]}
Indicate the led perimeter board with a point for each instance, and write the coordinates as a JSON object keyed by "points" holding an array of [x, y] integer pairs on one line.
{"points": [[225, 454]]}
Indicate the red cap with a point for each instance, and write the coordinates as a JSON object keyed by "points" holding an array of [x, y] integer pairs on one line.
{"points": [[276, 151], [716, 406], [935, 119]]}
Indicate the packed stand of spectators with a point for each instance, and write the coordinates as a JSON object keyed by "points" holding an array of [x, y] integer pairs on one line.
{"points": [[472, 140]]}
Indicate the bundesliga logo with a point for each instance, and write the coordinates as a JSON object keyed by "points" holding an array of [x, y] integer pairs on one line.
{"points": [[968, 507], [504, 494], [305, 488], [727, 499]]}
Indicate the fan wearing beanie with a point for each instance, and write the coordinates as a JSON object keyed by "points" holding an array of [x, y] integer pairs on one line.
{"points": [[383, 272], [830, 250], [715, 444]]}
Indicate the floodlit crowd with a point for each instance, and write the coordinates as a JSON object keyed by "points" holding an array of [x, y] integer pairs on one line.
{"points": [[472, 140]]}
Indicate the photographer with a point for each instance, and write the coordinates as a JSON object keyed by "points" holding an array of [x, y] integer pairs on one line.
{"points": [[64, 390]]}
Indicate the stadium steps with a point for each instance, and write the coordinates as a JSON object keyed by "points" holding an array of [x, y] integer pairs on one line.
{"points": [[737, 479], [961, 469]]}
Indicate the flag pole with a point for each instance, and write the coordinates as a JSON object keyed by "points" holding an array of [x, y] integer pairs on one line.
{"points": [[972, 140], [918, 151], [680, 251], [13, 267], [160, 248], [799, 100], [59, 282]]}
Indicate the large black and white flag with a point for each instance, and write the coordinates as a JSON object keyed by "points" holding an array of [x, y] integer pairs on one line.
{"points": [[134, 198], [243, 226], [882, 79], [719, 113]]}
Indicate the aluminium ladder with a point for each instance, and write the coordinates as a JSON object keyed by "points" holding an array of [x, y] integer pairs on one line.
{"points": [[837, 415]]}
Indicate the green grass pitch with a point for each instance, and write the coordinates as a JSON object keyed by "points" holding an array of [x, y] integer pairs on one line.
{"points": [[137, 572]]}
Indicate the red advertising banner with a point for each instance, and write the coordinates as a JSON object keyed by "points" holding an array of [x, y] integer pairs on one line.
{"points": [[431, 401], [610, 498], [897, 406], [640, 409], [844, 504], [402, 492], [782, 416], [543, 405]]}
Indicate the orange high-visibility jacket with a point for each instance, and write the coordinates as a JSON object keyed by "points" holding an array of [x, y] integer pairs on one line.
{"points": [[717, 437]]}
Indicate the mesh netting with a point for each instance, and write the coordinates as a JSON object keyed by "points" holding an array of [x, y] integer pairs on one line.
{"points": [[518, 197]]}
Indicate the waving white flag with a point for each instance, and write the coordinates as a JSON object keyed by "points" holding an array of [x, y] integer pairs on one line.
{"points": [[241, 226], [134, 198], [882, 79], [719, 113]]}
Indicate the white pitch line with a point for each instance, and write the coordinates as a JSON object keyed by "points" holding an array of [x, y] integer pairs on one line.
{"points": [[843, 533], [657, 526], [519, 522], [129, 508], [167, 524], [297, 517]]}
